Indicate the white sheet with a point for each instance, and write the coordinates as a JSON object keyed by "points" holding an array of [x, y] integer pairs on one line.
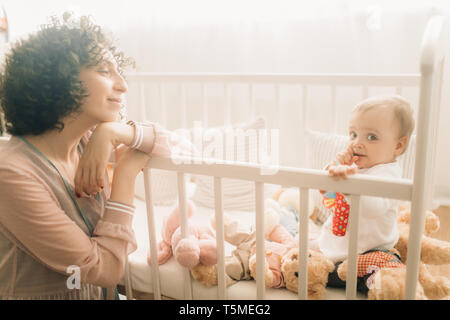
{"points": [[171, 273]]}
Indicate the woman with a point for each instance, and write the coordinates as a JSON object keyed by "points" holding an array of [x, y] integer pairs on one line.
{"points": [[64, 233]]}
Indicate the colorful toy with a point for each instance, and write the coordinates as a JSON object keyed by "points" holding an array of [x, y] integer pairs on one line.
{"points": [[341, 209]]}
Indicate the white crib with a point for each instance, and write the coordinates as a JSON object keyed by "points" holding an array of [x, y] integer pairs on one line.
{"points": [[417, 190]]}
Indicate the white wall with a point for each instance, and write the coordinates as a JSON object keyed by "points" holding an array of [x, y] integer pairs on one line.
{"points": [[263, 36]]}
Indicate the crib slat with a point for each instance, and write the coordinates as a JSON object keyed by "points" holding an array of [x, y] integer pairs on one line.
{"points": [[226, 90], [182, 205], [152, 235], [303, 245], [220, 240], [142, 112], [278, 106], [250, 101], [162, 97], [304, 108], [260, 251], [205, 105], [183, 106], [304, 121], [365, 92], [353, 226], [128, 284], [334, 109]]}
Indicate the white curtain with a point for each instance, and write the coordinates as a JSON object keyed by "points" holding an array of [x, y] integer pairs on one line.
{"points": [[252, 35]]}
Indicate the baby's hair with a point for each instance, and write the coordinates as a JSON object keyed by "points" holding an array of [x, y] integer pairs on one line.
{"points": [[403, 111]]}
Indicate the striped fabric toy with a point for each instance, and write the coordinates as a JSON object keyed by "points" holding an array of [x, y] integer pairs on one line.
{"points": [[341, 209]]}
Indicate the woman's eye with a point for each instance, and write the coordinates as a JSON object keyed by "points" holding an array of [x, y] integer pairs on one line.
{"points": [[372, 137]]}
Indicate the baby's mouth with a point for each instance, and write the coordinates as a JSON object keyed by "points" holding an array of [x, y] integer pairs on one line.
{"points": [[358, 154]]}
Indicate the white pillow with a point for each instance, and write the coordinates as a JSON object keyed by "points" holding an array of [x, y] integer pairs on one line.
{"points": [[237, 194], [322, 149]]}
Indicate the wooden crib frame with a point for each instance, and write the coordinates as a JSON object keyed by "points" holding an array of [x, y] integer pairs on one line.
{"points": [[418, 190]]}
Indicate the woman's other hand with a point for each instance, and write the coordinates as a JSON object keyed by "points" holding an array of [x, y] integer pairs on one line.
{"points": [[129, 164], [90, 174]]}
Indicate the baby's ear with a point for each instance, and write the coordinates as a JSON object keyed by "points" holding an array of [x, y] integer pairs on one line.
{"points": [[401, 146]]}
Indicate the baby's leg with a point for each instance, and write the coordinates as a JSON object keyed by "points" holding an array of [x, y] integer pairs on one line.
{"points": [[314, 245]]}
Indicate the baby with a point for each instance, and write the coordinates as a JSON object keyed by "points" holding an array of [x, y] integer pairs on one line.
{"points": [[380, 129]]}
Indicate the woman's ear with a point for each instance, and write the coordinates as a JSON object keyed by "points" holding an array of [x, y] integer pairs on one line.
{"points": [[401, 146]]}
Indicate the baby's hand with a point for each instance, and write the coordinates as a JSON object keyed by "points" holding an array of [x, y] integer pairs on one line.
{"points": [[341, 170], [347, 156]]}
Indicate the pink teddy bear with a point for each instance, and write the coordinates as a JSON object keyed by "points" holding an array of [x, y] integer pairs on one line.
{"points": [[198, 247]]}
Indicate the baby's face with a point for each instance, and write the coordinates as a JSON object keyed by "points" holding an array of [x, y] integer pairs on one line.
{"points": [[374, 137]]}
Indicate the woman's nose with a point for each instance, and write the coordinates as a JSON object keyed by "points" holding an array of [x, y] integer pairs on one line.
{"points": [[120, 84]]}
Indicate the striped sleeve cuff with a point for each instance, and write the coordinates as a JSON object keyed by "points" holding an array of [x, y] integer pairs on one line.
{"points": [[144, 136], [119, 207]]}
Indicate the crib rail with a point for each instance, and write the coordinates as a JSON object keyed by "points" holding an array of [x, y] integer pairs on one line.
{"points": [[329, 79], [304, 179]]}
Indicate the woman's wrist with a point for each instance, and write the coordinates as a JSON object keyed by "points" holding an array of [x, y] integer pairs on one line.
{"points": [[118, 133], [122, 187], [144, 136]]}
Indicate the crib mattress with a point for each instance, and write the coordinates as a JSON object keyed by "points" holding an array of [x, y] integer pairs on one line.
{"points": [[172, 275]]}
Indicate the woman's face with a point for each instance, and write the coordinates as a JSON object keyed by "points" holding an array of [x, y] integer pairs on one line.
{"points": [[106, 90]]}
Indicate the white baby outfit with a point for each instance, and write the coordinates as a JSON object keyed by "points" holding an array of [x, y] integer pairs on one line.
{"points": [[377, 221]]}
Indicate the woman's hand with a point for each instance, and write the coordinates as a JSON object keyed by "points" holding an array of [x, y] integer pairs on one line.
{"points": [[90, 174], [128, 166]]}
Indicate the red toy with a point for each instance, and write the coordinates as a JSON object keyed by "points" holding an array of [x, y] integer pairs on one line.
{"points": [[341, 210]]}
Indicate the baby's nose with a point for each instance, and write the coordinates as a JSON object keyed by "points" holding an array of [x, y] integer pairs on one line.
{"points": [[357, 145]]}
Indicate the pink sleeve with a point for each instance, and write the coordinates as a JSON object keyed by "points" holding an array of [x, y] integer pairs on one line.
{"points": [[33, 216], [155, 140]]}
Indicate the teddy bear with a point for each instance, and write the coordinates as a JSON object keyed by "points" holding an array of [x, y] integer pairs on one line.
{"points": [[198, 247], [281, 258], [243, 237], [281, 234], [318, 269], [283, 237], [386, 278]]}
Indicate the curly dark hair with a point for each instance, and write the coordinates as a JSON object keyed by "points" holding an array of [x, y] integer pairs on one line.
{"points": [[39, 82]]}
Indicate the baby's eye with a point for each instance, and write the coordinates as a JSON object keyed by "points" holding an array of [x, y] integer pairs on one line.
{"points": [[353, 135], [372, 137]]}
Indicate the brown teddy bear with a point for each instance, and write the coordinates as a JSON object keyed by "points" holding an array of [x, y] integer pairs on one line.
{"points": [[318, 269], [388, 281]]}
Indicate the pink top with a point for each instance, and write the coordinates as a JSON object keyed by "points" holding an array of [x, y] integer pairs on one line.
{"points": [[44, 240]]}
